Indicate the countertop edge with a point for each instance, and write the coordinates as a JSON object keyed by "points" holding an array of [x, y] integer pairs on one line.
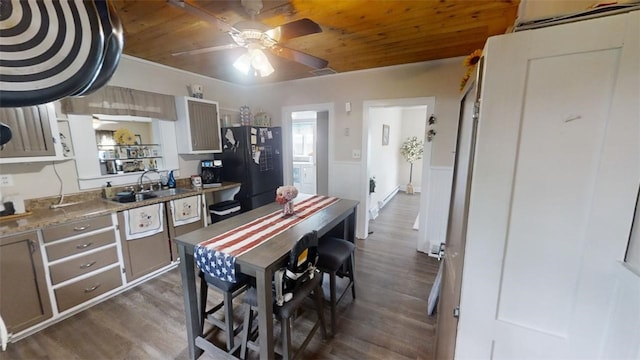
{"points": [[41, 218]]}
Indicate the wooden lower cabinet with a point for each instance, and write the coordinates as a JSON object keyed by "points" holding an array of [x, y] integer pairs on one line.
{"points": [[24, 299], [145, 255]]}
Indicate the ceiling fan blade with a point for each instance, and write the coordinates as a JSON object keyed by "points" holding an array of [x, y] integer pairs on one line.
{"points": [[298, 56], [205, 50], [195, 10], [294, 29]]}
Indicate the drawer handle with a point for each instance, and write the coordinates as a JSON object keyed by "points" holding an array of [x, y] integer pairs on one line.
{"points": [[81, 228], [88, 290], [84, 246], [88, 265]]}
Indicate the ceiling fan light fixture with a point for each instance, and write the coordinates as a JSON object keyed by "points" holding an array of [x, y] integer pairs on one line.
{"points": [[243, 64], [260, 62], [254, 58]]}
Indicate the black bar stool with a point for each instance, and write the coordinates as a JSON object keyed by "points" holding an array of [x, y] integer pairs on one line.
{"points": [[336, 258], [229, 291]]}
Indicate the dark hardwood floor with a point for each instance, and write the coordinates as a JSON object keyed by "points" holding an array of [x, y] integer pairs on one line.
{"points": [[387, 320]]}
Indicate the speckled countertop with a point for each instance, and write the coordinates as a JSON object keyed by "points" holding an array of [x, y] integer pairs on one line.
{"points": [[42, 217]]}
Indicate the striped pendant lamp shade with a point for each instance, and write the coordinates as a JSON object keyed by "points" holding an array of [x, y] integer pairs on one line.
{"points": [[53, 49]]}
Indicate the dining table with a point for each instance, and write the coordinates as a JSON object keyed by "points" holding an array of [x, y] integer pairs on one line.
{"points": [[337, 219]]}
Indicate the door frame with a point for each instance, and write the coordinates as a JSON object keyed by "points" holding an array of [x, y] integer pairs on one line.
{"points": [[287, 137], [362, 228]]}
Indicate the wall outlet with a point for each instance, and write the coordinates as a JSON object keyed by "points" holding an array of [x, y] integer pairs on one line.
{"points": [[355, 153], [6, 180]]}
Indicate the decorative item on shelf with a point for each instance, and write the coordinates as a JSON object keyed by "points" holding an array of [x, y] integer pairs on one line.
{"points": [[470, 62], [262, 119], [124, 136], [411, 150], [245, 115], [284, 196], [197, 91], [372, 184]]}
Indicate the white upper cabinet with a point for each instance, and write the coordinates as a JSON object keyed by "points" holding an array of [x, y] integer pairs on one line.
{"points": [[198, 126]]}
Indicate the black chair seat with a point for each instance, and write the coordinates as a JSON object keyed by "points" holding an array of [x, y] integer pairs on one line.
{"points": [[241, 280], [334, 253]]}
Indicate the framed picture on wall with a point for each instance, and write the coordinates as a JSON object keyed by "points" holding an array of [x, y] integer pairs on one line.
{"points": [[385, 134]]}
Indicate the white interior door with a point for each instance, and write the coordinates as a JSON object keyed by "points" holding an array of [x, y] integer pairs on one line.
{"points": [[552, 197], [449, 298]]}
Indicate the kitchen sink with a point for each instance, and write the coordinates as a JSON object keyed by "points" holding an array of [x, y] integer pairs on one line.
{"points": [[141, 196], [171, 192], [131, 197]]}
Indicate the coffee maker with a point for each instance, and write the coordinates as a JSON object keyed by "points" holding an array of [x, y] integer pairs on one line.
{"points": [[211, 173]]}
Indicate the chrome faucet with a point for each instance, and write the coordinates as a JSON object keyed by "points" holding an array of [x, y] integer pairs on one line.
{"points": [[141, 186]]}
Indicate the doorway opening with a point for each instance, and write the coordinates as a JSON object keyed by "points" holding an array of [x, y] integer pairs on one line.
{"points": [[306, 147], [371, 111]]}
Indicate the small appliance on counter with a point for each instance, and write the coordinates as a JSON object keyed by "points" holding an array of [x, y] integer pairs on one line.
{"points": [[211, 173]]}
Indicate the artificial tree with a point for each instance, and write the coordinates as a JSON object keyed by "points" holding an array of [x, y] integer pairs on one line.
{"points": [[411, 150]]}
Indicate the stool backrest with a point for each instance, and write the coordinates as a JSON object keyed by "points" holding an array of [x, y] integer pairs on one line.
{"points": [[300, 268]]}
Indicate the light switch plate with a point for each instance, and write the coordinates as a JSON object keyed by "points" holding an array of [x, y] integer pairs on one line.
{"points": [[355, 153], [6, 180]]}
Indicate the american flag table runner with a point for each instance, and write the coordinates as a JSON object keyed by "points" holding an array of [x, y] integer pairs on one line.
{"points": [[217, 256]]}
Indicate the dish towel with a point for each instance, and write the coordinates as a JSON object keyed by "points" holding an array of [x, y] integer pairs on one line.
{"points": [[143, 221], [185, 210], [217, 256]]}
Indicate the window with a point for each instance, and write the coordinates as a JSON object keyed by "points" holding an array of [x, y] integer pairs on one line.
{"points": [[303, 141]]}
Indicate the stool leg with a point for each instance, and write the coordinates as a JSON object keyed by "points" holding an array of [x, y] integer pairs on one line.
{"points": [[247, 325], [204, 288], [352, 275], [332, 295], [319, 300], [228, 318], [286, 338]]}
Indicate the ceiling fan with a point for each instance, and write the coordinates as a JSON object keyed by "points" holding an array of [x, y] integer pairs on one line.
{"points": [[256, 37]]}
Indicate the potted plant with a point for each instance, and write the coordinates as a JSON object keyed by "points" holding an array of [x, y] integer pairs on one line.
{"points": [[411, 150]]}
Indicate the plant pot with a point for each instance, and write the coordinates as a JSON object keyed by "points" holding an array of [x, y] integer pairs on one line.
{"points": [[409, 189]]}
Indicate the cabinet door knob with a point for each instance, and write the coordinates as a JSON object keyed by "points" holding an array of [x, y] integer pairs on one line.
{"points": [[84, 246], [81, 228], [88, 265], [32, 246], [88, 290]]}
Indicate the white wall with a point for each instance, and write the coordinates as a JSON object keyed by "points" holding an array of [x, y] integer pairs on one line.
{"points": [[435, 78], [386, 163], [440, 78]]}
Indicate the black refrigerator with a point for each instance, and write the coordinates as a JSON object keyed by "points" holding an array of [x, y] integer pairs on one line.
{"points": [[252, 156]]}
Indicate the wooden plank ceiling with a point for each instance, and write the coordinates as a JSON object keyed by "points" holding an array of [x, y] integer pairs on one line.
{"points": [[357, 34]]}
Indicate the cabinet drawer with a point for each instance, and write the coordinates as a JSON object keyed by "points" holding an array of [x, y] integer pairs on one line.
{"points": [[86, 289], [82, 265], [66, 248], [53, 233]]}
